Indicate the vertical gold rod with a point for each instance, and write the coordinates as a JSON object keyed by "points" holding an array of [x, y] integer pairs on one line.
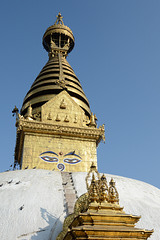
{"points": [[60, 41]]}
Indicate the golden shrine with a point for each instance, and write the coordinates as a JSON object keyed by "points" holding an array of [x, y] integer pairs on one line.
{"points": [[98, 215]]}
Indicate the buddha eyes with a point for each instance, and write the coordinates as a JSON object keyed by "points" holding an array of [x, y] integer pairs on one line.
{"points": [[72, 160], [71, 157], [49, 159], [66, 160]]}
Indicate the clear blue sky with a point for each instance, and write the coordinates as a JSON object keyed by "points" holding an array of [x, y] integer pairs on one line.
{"points": [[116, 58]]}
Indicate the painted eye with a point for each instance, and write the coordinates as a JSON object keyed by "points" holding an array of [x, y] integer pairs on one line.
{"points": [[49, 159], [72, 160]]}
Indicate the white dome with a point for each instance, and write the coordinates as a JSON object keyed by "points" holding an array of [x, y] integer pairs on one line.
{"points": [[32, 203]]}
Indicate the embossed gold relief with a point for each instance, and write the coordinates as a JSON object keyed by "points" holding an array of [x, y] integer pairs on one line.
{"points": [[58, 118], [75, 119], [66, 119], [63, 104], [98, 215], [63, 108], [49, 117]]}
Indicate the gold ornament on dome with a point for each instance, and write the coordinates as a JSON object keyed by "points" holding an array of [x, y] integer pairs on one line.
{"points": [[97, 214], [59, 19], [92, 171]]}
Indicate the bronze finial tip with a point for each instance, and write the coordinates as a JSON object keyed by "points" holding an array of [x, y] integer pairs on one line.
{"points": [[93, 166], [112, 182], [15, 110], [103, 177], [59, 19]]}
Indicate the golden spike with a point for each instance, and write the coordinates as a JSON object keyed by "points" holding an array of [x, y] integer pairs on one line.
{"points": [[113, 196], [59, 19], [29, 112], [93, 120], [93, 193], [92, 171], [103, 189]]}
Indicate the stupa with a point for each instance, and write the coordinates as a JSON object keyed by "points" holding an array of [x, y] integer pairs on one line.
{"points": [[56, 150]]}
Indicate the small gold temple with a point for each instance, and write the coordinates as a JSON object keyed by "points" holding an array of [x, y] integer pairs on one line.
{"points": [[98, 215], [56, 128]]}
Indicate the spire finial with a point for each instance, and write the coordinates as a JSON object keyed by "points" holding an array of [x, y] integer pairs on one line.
{"points": [[59, 19], [93, 194], [103, 189], [113, 195], [92, 171], [58, 38]]}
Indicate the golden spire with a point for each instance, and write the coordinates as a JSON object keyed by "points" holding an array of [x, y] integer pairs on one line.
{"points": [[103, 189], [92, 172], [57, 105], [112, 192], [93, 193], [57, 75]]}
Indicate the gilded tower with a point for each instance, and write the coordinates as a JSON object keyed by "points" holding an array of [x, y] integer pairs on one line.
{"points": [[56, 128]]}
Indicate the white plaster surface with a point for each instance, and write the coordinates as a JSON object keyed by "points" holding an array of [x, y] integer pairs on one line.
{"points": [[39, 193]]}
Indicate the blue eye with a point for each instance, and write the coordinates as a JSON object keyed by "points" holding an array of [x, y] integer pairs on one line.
{"points": [[72, 153], [72, 160], [49, 152], [49, 159]]}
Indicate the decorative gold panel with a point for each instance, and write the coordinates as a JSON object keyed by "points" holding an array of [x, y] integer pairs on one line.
{"points": [[70, 115], [51, 152]]}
